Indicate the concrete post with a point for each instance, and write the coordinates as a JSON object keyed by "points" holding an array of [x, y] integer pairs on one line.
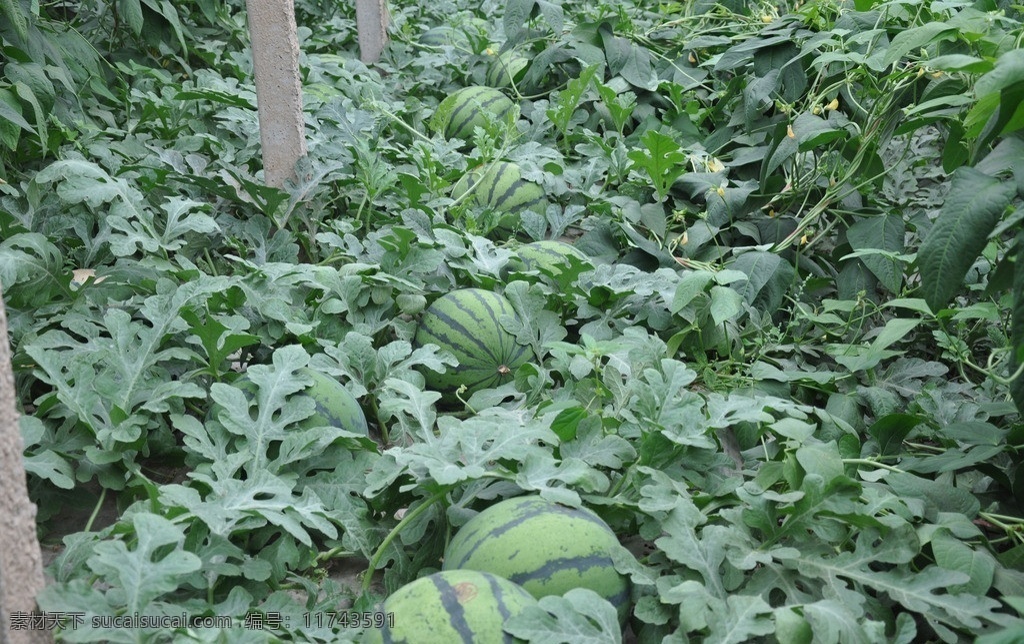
{"points": [[21, 560], [372, 23], [275, 53]]}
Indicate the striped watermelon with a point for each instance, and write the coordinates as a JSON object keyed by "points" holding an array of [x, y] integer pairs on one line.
{"points": [[545, 547], [439, 36], [451, 606], [548, 255], [468, 108], [500, 186], [335, 406], [506, 68], [466, 323]]}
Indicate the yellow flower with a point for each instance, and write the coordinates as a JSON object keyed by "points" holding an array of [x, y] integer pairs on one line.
{"points": [[789, 132], [721, 191], [803, 240], [714, 165], [692, 59], [489, 51], [834, 105]]}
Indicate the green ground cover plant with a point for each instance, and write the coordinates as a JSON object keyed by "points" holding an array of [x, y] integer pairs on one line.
{"points": [[784, 366]]}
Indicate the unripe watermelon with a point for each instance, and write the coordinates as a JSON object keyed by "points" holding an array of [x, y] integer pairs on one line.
{"points": [[501, 187], [506, 68], [545, 547], [451, 606], [549, 254], [466, 323], [335, 406], [438, 36], [468, 108]]}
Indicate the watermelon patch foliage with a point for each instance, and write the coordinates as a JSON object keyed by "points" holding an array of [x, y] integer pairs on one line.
{"points": [[731, 291]]}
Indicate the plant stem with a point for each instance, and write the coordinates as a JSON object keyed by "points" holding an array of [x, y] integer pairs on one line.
{"points": [[408, 518]]}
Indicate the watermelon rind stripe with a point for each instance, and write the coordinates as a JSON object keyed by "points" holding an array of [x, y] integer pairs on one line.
{"points": [[511, 190], [443, 316], [467, 323], [455, 326], [531, 508], [464, 99], [545, 547], [580, 564], [495, 176], [452, 606], [456, 125], [526, 205], [497, 591]]}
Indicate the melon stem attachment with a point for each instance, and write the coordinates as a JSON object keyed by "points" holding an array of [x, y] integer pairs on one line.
{"points": [[407, 519]]}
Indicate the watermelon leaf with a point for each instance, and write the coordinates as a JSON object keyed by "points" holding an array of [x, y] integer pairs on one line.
{"points": [[662, 160], [144, 574], [579, 616]]}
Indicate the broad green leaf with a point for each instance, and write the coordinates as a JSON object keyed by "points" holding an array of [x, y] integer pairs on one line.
{"points": [[702, 552], [11, 9], [1008, 70], [11, 120], [758, 96], [690, 286], [131, 11], [41, 129], [960, 63], [974, 205], [953, 554], [887, 233], [517, 12], [890, 430], [769, 278], [628, 59], [725, 303], [813, 131], [916, 38], [939, 493], [784, 145]]}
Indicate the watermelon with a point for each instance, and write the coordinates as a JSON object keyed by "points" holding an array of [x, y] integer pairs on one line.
{"points": [[500, 186], [439, 36], [545, 547], [466, 323], [335, 406], [468, 108], [506, 68], [451, 606], [548, 255]]}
